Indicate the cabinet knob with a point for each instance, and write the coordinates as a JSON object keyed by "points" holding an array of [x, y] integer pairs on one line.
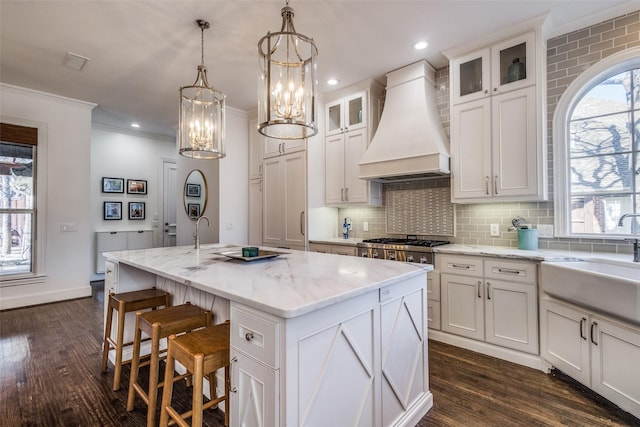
{"points": [[486, 91], [495, 89], [248, 336]]}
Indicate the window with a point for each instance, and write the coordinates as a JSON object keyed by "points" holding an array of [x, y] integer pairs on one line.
{"points": [[597, 157], [17, 199]]}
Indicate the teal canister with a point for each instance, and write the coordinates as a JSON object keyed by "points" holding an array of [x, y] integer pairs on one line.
{"points": [[528, 239]]}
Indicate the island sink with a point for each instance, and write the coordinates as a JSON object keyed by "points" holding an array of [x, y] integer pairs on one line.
{"points": [[607, 286]]}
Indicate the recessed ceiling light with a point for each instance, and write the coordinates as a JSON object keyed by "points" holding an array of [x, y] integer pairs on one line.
{"points": [[333, 82], [419, 45], [135, 125]]}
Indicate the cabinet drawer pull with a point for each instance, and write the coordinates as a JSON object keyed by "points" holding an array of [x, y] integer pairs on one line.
{"points": [[346, 194], [486, 184], [466, 267], [488, 289], [594, 325], [582, 321], [495, 185], [479, 285], [508, 271], [248, 336]]}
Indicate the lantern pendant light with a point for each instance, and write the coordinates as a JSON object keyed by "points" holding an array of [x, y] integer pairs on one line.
{"points": [[201, 125], [287, 82]]}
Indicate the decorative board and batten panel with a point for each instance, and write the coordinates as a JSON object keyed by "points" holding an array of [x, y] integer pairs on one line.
{"points": [[423, 211]]}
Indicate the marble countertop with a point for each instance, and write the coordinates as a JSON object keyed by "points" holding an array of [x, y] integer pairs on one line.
{"points": [[289, 285]]}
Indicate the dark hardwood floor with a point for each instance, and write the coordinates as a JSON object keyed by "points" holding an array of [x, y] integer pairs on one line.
{"points": [[50, 376]]}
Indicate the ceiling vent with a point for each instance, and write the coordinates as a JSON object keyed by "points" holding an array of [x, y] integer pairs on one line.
{"points": [[74, 61]]}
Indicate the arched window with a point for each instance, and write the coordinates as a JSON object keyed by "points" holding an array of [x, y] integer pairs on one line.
{"points": [[597, 150]]}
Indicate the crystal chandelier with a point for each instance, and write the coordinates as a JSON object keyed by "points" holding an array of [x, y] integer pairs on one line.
{"points": [[287, 82], [201, 125]]}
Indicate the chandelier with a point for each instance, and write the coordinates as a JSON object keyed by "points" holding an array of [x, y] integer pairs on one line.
{"points": [[201, 125], [287, 82]]}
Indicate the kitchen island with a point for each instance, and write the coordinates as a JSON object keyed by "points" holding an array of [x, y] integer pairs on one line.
{"points": [[316, 339]]}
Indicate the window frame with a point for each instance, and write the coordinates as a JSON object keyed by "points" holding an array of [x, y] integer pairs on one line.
{"points": [[594, 75], [37, 275]]}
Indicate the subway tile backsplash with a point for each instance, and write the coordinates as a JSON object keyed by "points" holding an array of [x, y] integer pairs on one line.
{"points": [[567, 56]]}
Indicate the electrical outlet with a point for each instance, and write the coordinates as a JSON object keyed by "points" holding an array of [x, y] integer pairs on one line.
{"points": [[365, 226], [545, 230], [229, 226], [495, 230]]}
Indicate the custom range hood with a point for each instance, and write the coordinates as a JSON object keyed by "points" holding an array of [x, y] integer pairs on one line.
{"points": [[410, 143]]}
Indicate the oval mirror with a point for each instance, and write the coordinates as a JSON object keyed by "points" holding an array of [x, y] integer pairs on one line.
{"points": [[195, 194]]}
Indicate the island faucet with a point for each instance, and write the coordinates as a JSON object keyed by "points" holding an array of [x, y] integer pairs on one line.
{"points": [[197, 246], [636, 248]]}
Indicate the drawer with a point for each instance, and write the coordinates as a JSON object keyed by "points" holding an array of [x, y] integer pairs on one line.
{"points": [[433, 285], [256, 335], [463, 265], [512, 271]]}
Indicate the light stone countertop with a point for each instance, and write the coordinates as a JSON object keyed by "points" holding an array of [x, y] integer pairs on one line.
{"points": [[289, 285], [351, 241]]}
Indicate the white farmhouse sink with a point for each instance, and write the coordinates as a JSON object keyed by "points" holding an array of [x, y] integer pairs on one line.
{"points": [[607, 286]]}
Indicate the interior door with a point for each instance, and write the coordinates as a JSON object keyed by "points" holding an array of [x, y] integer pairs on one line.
{"points": [[169, 194]]}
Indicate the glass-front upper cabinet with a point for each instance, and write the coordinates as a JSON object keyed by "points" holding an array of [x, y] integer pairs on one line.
{"points": [[346, 114], [504, 66]]}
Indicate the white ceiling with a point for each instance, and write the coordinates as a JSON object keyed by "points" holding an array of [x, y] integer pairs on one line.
{"points": [[142, 51]]}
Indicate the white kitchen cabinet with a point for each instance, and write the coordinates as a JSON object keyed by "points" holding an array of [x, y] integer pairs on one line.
{"points": [[279, 147], [108, 241], [350, 250], [491, 300], [494, 69], [433, 300], [284, 201], [599, 352], [498, 137], [351, 119]]}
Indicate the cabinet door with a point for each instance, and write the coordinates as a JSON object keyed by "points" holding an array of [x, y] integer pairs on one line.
{"points": [[470, 75], [511, 315], [272, 222], [253, 402], [334, 118], [355, 114], [334, 169], [319, 247], [515, 161], [563, 339], [255, 212], [471, 150], [109, 241], [141, 239], [462, 305], [344, 250], [513, 63], [615, 352], [356, 189], [294, 194], [272, 147], [255, 150]]}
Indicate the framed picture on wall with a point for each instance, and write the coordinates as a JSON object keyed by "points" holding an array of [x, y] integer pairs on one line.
{"points": [[193, 190], [194, 210], [136, 186], [136, 210], [112, 210], [113, 185]]}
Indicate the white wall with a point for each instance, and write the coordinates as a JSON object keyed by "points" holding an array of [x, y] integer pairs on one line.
{"points": [[116, 153], [66, 139]]}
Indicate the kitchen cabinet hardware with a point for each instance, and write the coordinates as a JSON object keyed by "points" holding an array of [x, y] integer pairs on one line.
{"points": [[582, 323], [594, 325], [486, 185], [302, 223], [466, 267], [508, 271], [495, 185], [479, 285], [488, 290], [248, 336]]}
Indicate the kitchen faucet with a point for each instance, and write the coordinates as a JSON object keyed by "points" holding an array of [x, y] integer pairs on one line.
{"points": [[636, 248], [197, 246]]}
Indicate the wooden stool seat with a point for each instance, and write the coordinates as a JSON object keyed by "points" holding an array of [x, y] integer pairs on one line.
{"points": [[202, 353], [124, 303], [160, 324]]}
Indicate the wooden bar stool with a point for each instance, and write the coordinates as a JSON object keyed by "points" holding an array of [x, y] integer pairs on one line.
{"points": [[202, 353], [124, 303], [160, 324]]}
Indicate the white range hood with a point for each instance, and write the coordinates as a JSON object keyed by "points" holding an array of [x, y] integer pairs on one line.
{"points": [[410, 143]]}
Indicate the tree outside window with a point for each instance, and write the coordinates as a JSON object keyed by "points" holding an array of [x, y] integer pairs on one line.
{"points": [[604, 157]]}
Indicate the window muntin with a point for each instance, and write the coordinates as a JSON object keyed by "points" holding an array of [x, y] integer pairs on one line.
{"points": [[17, 207], [603, 156]]}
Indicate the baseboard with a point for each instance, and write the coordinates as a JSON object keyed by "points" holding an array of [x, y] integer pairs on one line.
{"points": [[20, 301], [525, 359]]}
